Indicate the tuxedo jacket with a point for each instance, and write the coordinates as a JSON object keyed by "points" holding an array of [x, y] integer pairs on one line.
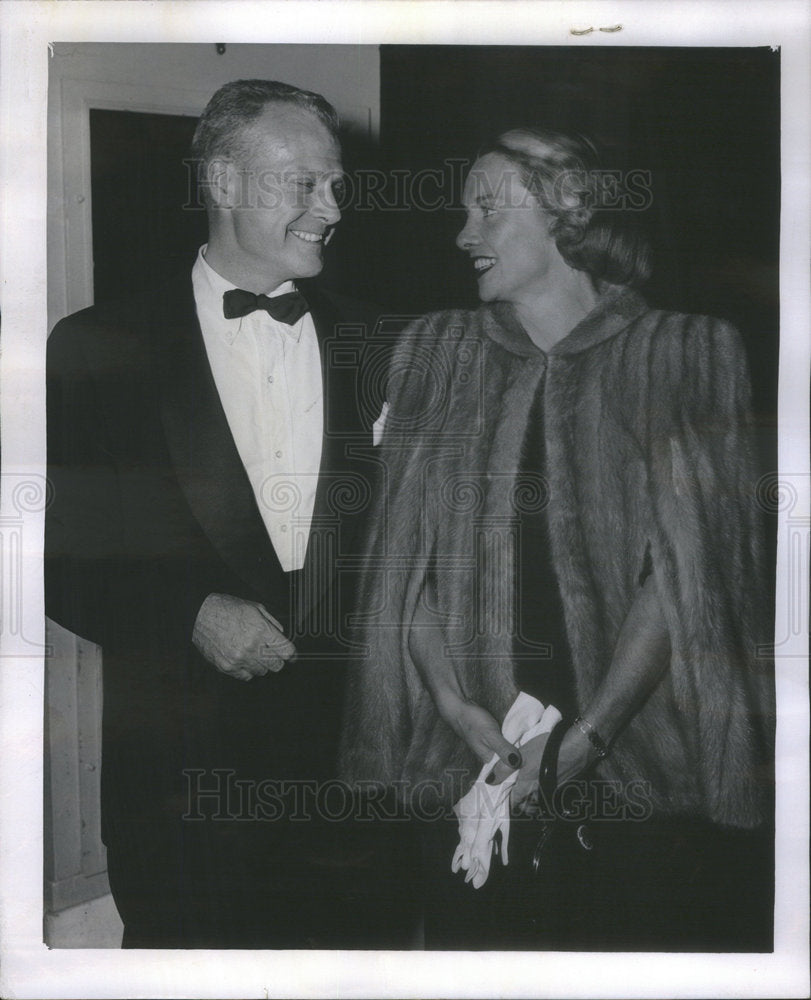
{"points": [[152, 511]]}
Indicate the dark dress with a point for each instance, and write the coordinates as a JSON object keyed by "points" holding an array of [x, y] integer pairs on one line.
{"points": [[543, 659]]}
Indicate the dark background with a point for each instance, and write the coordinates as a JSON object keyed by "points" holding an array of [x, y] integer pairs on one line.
{"points": [[141, 190], [704, 122]]}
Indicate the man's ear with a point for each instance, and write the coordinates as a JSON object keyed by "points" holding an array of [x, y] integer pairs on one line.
{"points": [[221, 180]]}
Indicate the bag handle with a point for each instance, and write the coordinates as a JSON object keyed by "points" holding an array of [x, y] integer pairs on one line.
{"points": [[548, 771]]}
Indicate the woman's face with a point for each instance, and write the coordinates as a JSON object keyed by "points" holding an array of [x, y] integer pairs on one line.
{"points": [[506, 233]]}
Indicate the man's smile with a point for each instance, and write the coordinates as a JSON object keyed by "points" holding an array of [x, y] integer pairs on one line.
{"points": [[482, 264]]}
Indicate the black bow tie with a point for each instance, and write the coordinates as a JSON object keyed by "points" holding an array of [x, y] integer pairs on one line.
{"points": [[287, 308]]}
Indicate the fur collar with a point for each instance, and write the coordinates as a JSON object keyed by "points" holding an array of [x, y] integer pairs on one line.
{"points": [[617, 308]]}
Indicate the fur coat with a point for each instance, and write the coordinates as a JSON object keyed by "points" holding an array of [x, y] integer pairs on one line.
{"points": [[648, 469]]}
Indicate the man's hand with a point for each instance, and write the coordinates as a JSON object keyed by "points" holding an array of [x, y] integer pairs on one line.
{"points": [[240, 638]]}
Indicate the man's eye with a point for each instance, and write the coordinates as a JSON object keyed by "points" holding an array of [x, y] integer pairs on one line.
{"points": [[301, 184]]}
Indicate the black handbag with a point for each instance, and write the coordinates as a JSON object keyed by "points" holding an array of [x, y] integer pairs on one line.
{"points": [[561, 840]]}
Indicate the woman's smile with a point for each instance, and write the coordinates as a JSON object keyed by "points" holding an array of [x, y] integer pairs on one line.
{"points": [[505, 225]]}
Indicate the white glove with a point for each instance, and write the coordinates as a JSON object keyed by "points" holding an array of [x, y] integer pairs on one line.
{"points": [[485, 809]]}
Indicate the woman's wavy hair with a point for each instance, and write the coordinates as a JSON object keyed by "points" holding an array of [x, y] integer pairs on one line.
{"points": [[563, 173]]}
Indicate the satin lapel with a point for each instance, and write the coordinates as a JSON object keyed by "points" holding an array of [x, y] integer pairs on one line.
{"points": [[342, 428], [207, 464]]}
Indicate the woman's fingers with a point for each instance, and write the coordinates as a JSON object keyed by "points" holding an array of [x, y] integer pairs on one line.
{"points": [[483, 735], [495, 743], [530, 761], [492, 741], [510, 760], [501, 771]]}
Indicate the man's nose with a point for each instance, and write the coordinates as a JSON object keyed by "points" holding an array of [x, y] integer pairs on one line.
{"points": [[325, 207]]}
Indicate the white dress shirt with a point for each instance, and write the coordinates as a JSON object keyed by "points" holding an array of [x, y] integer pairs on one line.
{"points": [[268, 376]]}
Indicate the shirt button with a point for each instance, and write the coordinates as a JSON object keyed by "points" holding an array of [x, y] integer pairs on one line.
{"points": [[270, 380], [284, 527], [278, 454]]}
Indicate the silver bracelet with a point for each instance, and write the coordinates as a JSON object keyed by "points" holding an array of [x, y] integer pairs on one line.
{"points": [[592, 736]]}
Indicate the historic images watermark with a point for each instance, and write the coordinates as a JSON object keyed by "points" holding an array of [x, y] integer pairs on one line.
{"points": [[446, 364], [220, 795], [430, 189], [782, 495], [23, 497]]}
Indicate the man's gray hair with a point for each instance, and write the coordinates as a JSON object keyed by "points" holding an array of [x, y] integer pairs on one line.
{"points": [[223, 126]]}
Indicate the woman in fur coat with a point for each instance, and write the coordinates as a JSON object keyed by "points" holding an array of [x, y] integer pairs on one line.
{"points": [[568, 514]]}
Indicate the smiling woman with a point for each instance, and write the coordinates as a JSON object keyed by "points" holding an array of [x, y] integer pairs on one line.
{"points": [[506, 234], [581, 602]]}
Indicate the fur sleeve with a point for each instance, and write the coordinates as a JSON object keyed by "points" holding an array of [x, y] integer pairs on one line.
{"points": [[706, 556], [384, 692]]}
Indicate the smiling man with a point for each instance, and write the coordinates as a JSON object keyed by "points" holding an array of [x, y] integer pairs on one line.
{"points": [[200, 441]]}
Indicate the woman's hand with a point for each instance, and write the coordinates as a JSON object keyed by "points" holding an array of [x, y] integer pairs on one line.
{"points": [[527, 781], [469, 721], [477, 727], [640, 659], [576, 755]]}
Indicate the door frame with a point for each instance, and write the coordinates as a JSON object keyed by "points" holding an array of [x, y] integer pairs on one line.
{"points": [[70, 229], [75, 859]]}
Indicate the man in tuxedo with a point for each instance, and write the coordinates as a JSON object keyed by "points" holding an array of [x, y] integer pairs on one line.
{"points": [[203, 441]]}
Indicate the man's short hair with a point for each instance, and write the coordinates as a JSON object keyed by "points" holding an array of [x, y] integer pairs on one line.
{"points": [[223, 126]]}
